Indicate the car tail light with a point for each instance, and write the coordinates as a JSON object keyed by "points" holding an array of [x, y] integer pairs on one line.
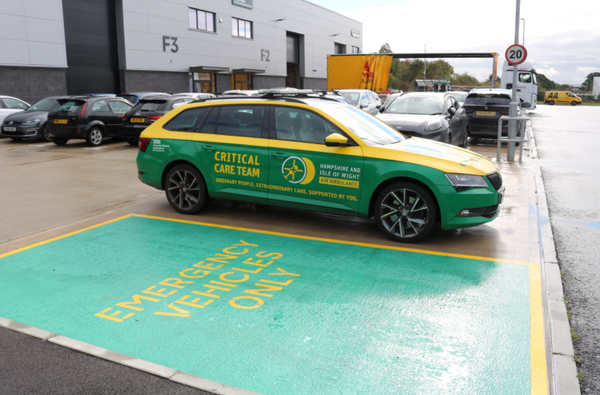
{"points": [[124, 118], [154, 118], [80, 115], [143, 143]]}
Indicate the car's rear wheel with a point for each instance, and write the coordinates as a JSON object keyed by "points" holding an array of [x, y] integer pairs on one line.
{"points": [[58, 141], [465, 140], [405, 212], [185, 189], [551, 102], [94, 137], [573, 103]]}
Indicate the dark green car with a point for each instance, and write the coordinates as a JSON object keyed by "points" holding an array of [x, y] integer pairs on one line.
{"points": [[315, 153]]}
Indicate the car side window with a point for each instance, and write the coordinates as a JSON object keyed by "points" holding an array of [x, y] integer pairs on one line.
{"points": [[119, 107], [364, 100], [14, 104], [241, 120], [100, 106], [187, 120], [295, 124]]}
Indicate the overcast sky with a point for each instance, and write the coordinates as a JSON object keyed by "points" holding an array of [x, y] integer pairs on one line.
{"points": [[562, 39]]}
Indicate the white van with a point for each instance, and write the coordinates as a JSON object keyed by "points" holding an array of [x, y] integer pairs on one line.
{"points": [[527, 86]]}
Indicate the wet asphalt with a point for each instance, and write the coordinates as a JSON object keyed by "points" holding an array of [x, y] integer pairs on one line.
{"points": [[567, 140]]}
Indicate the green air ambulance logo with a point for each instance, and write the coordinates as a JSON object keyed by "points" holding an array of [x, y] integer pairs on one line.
{"points": [[298, 170]]}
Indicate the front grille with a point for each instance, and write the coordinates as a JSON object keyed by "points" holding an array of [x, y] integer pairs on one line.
{"points": [[496, 180]]}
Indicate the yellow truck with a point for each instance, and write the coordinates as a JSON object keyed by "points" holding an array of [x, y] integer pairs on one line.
{"points": [[558, 97]]}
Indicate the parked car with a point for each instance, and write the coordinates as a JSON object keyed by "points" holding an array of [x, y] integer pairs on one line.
{"points": [[148, 111], [32, 122], [390, 99], [316, 154], [135, 97], [366, 100], [484, 107], [10, 105], [87, 117], [196, 95], [240, 92], [460, 96], [431, 115]]}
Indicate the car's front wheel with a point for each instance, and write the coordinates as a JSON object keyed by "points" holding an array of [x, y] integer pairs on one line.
{"points": [[465, 139], [405, 212], [448, 138], [185, 189], [44, 135], [95, 137], [551, 102], [573, 103]]}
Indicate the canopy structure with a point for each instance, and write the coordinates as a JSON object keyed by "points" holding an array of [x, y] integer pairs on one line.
{"points": [[493, 55]]}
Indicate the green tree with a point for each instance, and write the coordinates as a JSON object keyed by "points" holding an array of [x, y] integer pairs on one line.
{"points": [[394, 81], [464, 79], [588, 84], [439, 69]]}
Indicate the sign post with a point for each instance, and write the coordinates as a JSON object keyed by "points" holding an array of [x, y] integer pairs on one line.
{"points": [[515, 54]]}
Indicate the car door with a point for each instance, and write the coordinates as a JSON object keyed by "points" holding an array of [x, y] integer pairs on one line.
{"points": [[100, 111], [119, 109], [303, 171], [458, 118], [233, 148]]}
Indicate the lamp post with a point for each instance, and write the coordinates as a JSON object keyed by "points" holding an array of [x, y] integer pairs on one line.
{"points": [[512, 108], [523, 19]]}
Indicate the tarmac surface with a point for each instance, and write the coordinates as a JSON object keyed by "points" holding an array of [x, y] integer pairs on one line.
{"points": [[107, 190]]}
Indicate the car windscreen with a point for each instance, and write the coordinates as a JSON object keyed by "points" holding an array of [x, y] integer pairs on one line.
{"points": [[151, 105], [418, 105], [70, 107], [43, 105], [368, 128], [351, 97], [130, 98], [486, 99]]}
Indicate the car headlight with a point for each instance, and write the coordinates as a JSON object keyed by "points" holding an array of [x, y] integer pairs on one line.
{"points": [[31, 122], [461, 182], [433, 125]]}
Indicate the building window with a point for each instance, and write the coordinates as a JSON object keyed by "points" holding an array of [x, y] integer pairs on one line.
{"points": [[355, 49], [202, 20], [241, 28], [339, 48]]}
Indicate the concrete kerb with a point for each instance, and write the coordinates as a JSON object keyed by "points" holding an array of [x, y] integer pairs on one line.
{"points": [[145, 366], [563, 372]]}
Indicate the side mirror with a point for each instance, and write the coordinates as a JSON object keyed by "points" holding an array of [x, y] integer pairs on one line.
{"points": [[381, 109], [335, 140], [452, 111], [527, 105]]}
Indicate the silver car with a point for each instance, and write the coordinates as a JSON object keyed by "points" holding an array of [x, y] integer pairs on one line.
{"points": [[366, 100], [434, 116]]}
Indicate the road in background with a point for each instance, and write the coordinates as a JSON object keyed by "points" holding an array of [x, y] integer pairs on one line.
{"points": [[567, 140]]}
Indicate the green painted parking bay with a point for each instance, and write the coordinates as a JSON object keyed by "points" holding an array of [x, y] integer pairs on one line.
{"points": [[281, 314]]}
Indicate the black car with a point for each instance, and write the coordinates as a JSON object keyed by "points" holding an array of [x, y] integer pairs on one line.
{"points": [[484, 107], [31, 122], [87, 117], [146, 112]]}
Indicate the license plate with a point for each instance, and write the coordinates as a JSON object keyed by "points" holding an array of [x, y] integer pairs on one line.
{"points": [[138, 120], [10, 129], [486, 113], [60, 121]]}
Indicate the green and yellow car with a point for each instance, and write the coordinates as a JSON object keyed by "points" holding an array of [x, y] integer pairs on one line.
{"points": [[295, 149]]}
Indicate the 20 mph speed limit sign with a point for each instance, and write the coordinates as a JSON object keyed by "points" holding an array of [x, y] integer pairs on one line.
{"points": [[516, 54]]}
